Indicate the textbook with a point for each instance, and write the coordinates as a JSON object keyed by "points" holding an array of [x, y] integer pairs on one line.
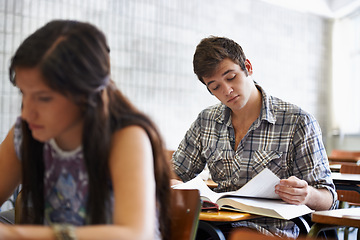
{"points": [[257, 197]]}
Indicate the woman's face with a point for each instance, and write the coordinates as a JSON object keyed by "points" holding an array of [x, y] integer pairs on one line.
{"points": [[48, 113]]}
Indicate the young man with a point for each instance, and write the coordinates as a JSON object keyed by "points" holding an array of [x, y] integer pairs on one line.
{"points": [[249, 131]]}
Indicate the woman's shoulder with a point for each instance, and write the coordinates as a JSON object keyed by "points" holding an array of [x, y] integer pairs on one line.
{"points": [[128, 131], [129, 137], [130, 147]]}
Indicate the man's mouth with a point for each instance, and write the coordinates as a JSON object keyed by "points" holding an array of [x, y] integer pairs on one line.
{"points": [[233, 98]]}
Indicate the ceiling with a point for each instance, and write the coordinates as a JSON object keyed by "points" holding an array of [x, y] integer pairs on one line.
{"points": [[327, 8]]}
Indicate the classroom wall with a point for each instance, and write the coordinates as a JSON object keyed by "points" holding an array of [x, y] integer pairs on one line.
{"points": [[152, 44]]}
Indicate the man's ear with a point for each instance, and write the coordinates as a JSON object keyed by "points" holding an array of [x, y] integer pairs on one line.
{"points": [[248, 67]]}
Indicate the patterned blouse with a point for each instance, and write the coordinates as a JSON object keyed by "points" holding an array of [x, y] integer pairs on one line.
{"points": [[65, 183]]}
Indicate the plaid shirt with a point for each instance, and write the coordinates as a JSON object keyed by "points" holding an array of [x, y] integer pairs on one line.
{"points": [[283, 138]]}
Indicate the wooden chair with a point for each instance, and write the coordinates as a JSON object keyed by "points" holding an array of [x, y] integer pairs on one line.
{"points": [[350, 197], [185, 210]]}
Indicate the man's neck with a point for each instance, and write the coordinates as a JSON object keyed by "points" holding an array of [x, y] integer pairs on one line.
{"points": [[251, 111]]}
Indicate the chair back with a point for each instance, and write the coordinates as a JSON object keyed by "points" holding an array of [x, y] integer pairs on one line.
{"points": [[351, 197], [185, 210]]}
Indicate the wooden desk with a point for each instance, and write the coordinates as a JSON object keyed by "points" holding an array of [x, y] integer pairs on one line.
{"points": [[335, 167], [344, 217], [211, 184], [342, 159], [348, 217], [226, 216], [209, 221], [345, 181]]}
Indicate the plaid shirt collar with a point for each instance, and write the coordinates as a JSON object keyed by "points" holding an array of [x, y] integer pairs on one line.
{"points": [[267, 110]]}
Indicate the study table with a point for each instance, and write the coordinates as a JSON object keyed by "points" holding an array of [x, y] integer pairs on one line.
{"points": [[210, 220], [344, 159], [211, 184], [225, 216], [346, 181], [345, 217], [335, 167]]}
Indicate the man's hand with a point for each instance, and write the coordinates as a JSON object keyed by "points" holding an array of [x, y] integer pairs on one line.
{"points": [[293, 190]]}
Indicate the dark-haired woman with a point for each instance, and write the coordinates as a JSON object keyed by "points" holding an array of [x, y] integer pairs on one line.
{"points": [[90, 165]]}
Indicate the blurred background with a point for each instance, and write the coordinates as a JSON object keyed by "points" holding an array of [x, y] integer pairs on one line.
{"points": [[303, 51]]}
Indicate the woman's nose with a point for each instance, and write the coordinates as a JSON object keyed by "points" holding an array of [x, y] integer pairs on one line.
{"points": [[27, 110]]}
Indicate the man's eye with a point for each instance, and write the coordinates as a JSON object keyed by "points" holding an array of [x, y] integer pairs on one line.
{"points": [[229, 79], [217, 87]]}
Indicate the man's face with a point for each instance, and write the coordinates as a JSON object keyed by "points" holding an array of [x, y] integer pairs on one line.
{"points": [[230, 84]]}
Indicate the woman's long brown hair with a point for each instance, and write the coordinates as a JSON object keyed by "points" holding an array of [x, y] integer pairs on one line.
{"points": [[73, 58]]}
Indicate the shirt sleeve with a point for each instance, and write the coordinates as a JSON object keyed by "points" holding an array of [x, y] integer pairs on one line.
{"points": [[310, 158], [186, 160]]}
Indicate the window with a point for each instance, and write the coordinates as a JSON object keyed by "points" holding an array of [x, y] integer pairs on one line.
{"points": [[346, 74]]}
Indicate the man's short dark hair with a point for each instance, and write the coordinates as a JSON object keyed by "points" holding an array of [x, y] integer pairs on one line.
{"points": [[211, 51]]}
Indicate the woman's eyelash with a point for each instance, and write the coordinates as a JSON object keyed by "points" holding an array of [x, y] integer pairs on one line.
{"points": [[45, 99]]}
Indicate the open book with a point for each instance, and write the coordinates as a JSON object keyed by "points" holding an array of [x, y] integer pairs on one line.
{"points": [[257, 197]]}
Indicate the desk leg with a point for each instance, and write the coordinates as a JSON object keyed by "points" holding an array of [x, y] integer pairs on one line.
{"points": [[213, 231], [316, 228]]}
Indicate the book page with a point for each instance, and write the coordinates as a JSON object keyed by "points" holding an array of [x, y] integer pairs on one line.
{"points": [[267, 207], [261, 186], [199, 184]]}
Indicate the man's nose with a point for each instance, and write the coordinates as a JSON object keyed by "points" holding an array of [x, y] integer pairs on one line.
{"points": [[228, 89]]}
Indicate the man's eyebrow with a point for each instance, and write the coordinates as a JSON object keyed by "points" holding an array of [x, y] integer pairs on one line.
{"points": [[210, 82], [226, 72]]}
